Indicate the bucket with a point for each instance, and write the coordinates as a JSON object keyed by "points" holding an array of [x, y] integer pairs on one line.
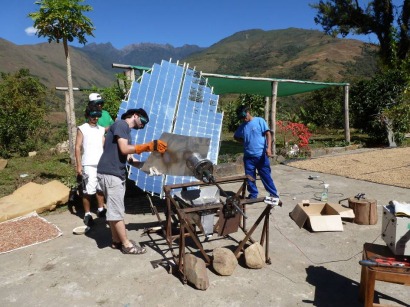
{"points": [[365, 210]]}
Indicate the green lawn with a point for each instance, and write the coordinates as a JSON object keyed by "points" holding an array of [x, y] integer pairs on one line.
{"points": [[41, 168]]}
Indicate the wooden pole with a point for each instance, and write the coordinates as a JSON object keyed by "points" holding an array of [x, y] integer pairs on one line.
{"points": [[130, 74], [65, 88], [267, 105], [115, 65], [70, 119], [273, 115], [71, 138], [346, 113]]}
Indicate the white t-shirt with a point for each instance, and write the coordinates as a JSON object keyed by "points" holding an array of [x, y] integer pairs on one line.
{"points": [[92, 143]]}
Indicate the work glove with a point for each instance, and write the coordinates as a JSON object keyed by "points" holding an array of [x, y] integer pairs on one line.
{"points": [[156, 145]]}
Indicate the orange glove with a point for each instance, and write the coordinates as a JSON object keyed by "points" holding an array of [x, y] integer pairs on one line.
{"points": [[156, 145], [160, 146]]}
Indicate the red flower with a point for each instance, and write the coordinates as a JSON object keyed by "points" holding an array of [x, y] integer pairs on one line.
{"points": [[293, 133]]}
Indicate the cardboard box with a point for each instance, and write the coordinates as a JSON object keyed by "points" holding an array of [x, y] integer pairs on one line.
{"points": [[396, 231], [321, 216]]}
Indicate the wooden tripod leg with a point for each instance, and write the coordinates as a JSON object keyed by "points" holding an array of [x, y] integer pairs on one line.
{"points": [[181, 256], [265, 213], [265, 237], [196, 241], [168, 230], [265, 234]]}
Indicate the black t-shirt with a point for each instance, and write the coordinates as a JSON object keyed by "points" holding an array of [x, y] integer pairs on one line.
{"points": [[112, 161]]}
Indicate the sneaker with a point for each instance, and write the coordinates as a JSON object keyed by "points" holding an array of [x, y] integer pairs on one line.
{"points": [[273, 201], [101, 213], [88, 220]]}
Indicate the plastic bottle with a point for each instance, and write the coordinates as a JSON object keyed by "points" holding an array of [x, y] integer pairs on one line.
{"points": [[324, 196]]}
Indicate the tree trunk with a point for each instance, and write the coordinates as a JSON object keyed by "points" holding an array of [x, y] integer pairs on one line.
{"points": [[71, 121], [390, 133]]}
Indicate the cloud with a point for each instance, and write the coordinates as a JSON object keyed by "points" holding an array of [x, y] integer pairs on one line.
{"points": [[30, 31]]}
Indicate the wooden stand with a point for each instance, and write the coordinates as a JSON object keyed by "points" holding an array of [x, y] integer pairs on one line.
{"points": [[187, 228], [370, 274]]}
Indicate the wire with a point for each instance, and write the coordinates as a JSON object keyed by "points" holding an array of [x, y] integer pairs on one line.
{"points": [[307, 257]]}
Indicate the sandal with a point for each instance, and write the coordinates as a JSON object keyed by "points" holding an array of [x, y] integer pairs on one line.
{"points": [[116, 245], [134, 249]]}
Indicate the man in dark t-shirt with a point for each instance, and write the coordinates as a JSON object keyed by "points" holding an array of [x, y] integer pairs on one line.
{"points": [[112, 175]]}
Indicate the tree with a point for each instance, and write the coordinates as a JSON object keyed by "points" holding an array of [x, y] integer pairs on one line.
{"points": [[22, 113], [324, 108], [114, 95], [255, 102], [389, 22], [63, 20], [381, 97], [379, 100]]}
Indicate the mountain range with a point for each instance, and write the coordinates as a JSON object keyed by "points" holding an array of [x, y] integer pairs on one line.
{"points": [[290, 53]]}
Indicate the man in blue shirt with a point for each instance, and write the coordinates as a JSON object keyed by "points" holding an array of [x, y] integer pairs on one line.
{"points": [[256, 137]]}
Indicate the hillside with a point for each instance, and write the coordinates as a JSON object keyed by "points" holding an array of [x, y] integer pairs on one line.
{"points": [[144, 54], [290, 53], [47, 61], [91, 64]]}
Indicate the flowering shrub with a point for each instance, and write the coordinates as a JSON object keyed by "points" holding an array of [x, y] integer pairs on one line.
{"points": [[293, 133]]}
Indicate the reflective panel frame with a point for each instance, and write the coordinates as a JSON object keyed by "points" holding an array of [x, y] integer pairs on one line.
{"points": [[177, 100]]}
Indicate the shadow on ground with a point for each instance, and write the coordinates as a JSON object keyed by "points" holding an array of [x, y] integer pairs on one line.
{"points": [[337, 290]]}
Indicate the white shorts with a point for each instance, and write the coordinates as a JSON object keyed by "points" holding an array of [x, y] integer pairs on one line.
{"points": [[90, 179]]}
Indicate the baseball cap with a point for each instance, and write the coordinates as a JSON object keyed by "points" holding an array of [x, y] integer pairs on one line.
{"points": [[141, 112], [241, 112], [95, 98]]}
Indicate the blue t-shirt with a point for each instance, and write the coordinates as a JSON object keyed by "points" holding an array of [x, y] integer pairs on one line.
{"points": [[112, 161], [253, 135]]}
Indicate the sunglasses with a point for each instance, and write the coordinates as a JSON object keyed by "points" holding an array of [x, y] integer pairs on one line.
{"points": [[143, 120], [95, 114], [242, 113]]}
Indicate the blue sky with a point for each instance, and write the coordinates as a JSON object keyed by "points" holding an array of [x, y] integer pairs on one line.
{"points": [[177, 22]]}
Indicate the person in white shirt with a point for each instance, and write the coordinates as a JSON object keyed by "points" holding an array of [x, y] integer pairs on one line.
{"points": [[88, 150]]}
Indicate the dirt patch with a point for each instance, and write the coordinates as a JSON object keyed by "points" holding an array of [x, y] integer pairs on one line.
{"points": [[389, 166]]}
